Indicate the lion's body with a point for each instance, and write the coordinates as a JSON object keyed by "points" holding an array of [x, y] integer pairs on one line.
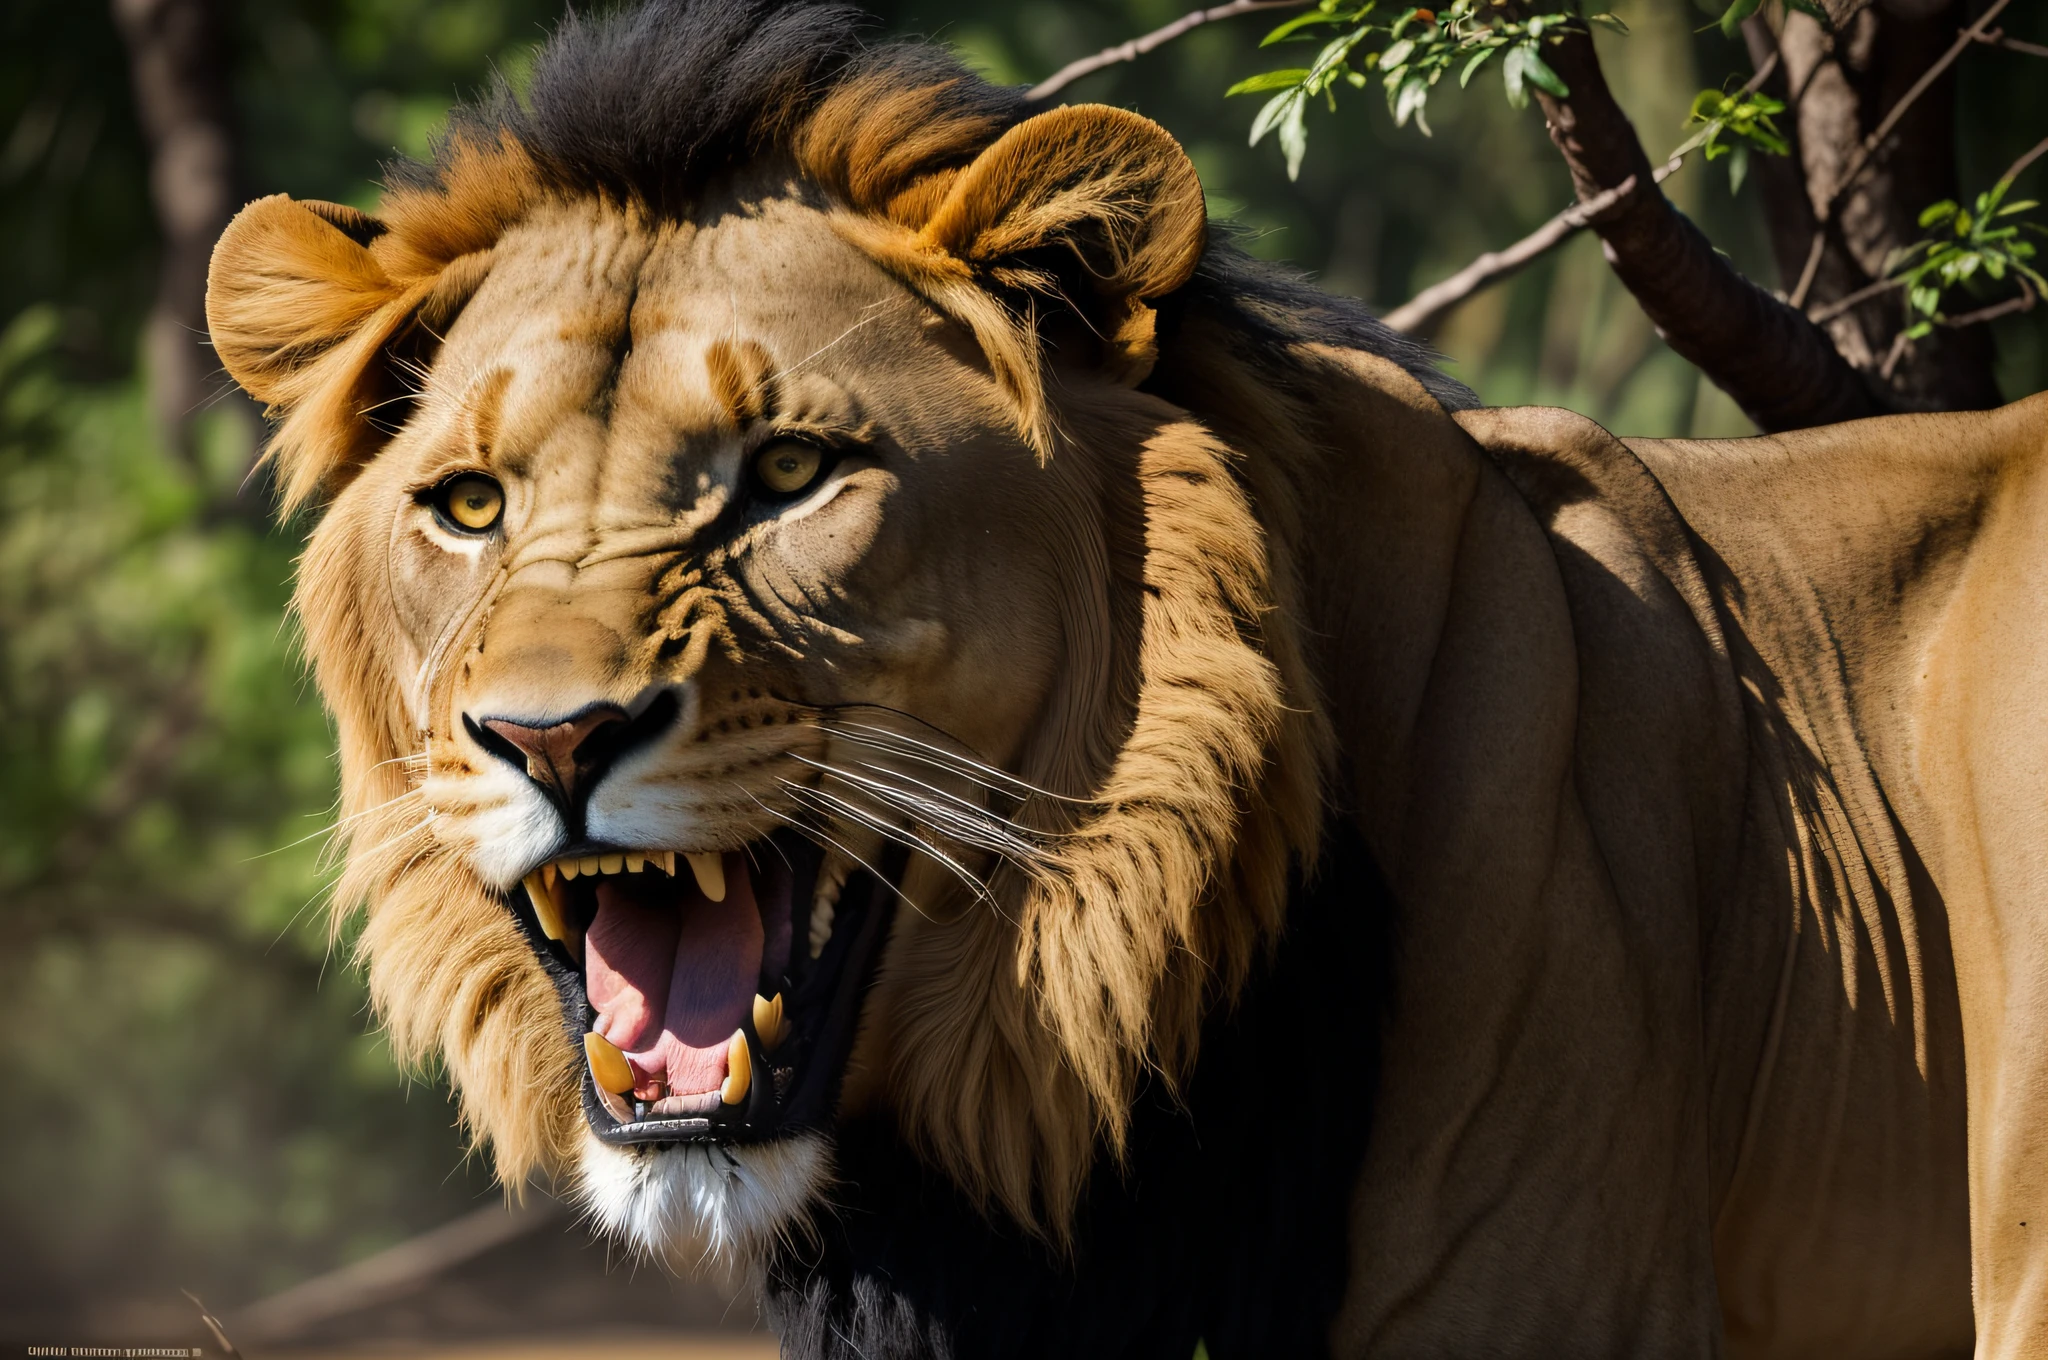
{"points": [[1375, 879]]}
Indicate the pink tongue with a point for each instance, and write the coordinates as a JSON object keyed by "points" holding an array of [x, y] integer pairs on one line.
{"points": [[672, 974]]}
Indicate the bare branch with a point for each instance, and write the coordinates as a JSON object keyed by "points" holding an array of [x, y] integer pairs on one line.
{"points": [[1854, 300], [1419, 312], [1869, 147], [1139, 46], [1997, 38], [2023, 303]]}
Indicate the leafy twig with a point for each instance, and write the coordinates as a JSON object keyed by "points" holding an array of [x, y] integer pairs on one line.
{"points": [[1979, 237], [1139, 46], [1422, 45]]}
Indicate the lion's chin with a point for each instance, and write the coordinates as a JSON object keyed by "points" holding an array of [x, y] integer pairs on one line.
{"points": [[731, 1202]]}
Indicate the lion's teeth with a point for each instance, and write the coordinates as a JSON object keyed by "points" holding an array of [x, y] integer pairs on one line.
{"points": [[617, 1106], [709, 870], [570, 868], [832, 875], [768, 1021], [611, 864], [608, 1067], [635, 863], [739, 1069], [546, 909], [592, 864], [668, 863]]}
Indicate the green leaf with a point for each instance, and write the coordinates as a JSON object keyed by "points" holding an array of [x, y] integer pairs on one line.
{"points": [[1296, 24], [1269, 80], [1472, 66], [1738, 168], [2011, 208], [1411, 99], [1511, 72], [1608, 21], [1294, 136], [1732, 17], [1920, 330], [1937, 212], [1397, 53], [1538, 71], [1274, 110], [1813, 11]]}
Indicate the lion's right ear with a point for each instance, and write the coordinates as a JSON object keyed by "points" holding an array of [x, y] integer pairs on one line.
{"points": [[304, 315]]}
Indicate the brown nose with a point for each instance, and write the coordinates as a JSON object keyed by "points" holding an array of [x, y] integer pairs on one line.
{"points": [[566, 757]]}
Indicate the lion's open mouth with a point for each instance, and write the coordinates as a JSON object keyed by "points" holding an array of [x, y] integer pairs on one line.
{"points": [[714, 995]]}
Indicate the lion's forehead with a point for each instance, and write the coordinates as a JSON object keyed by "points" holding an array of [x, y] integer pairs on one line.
{"points": [[581, 296]]}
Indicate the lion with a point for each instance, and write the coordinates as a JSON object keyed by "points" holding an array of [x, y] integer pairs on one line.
{"points": [[907, 711]]}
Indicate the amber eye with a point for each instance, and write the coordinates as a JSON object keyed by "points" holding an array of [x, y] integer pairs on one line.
{"points": [[471, 502], [788, 466]]}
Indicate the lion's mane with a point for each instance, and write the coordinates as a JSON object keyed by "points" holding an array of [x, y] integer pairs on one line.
{"points": [[1155, 903]]}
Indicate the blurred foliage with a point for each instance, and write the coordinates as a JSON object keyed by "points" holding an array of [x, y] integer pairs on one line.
{"points": [[193, 1099]]}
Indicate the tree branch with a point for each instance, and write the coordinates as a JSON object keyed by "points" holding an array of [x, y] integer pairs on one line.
{"points": [[1777, 365], [1139, 46], [1997, 38], [1429, 305]]}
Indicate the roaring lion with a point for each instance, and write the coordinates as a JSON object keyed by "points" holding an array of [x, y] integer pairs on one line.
{"points": [[908, 711]]}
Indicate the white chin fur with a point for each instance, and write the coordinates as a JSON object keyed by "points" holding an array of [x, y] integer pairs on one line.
{"points": [[732, 1201]]}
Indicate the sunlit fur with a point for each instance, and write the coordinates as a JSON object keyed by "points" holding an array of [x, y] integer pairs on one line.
{"points": [[1005, 1041]]}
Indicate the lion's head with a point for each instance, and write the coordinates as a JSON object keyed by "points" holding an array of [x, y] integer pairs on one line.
{"points": [[786, 657]]}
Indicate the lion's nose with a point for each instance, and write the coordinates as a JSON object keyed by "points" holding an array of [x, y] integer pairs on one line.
{"points": [[567, 757]]}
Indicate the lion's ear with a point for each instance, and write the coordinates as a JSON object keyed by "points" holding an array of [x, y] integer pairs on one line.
{"points": [[289, 281], [304, 315], [1111, 187]]}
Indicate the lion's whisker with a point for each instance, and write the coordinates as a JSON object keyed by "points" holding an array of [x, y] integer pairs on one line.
{"points": [[900, 835]]}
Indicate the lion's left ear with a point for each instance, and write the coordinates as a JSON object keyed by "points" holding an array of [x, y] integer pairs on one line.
{"points": [[1111, 187], [304, 313]]}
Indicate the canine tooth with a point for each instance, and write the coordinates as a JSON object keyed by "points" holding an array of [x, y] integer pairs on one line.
{"points": [[739, 1069], [709, 870], [548, 874], [668, 863], [592, 865], [616, 1106], [611, 864], [608, 1066], [821, 926], [635, 863], [570, 868], [768, 1021], [546, 909]]}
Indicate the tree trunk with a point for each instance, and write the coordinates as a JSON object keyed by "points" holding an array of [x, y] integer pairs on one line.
{"points": [[1839, 86], [177, 54]]}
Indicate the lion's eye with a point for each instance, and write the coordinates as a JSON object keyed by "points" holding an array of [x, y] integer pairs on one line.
{"points": [[471, 502], [788, 466]]}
